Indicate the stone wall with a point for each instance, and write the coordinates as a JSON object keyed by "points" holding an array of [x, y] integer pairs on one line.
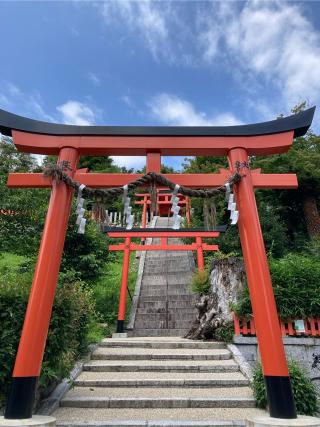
{"points": [[299, 349]]}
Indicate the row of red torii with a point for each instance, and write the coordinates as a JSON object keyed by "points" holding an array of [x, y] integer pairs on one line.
{"points": [[70, 142]]}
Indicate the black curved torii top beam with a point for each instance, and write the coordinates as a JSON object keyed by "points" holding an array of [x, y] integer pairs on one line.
{"points": [[299, 123]]}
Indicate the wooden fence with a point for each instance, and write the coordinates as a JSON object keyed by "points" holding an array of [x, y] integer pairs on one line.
{"points": [[291, 327]]}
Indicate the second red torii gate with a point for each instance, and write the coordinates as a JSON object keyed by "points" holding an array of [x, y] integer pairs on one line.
{"points": [[69, 142], [127, 246]]}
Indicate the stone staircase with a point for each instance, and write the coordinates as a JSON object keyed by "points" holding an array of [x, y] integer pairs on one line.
{"points": [[166, 305], [158, 382]]}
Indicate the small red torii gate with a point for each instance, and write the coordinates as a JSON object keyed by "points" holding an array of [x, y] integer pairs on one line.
{"points": [[127, 246], [69, 142], [163, 205]]}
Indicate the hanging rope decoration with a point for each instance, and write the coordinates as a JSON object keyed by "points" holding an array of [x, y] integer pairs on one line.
{"points": [[127, 209], [232, 207], [81, 222], [100, 196], [176, 208]]}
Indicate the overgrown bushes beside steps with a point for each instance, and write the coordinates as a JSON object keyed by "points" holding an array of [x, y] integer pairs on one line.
{"points": [[295, 280], [73, 325], [304, 390]]}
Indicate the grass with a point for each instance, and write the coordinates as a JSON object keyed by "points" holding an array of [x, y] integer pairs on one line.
{"points": [[107, 289]]}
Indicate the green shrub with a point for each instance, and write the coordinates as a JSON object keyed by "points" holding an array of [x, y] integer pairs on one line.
{"points": [[72, 324], [200, 282], [225, 333], [107, 289], [304, 390], [295, 280]]}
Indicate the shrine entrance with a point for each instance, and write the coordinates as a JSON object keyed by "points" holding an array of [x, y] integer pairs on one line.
{"points": [[238, 143]]}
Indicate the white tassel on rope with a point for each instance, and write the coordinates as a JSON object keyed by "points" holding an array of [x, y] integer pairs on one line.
{"points": [[175, 208], [127, 209], [228, 190], [81, 222], [232, 207]]}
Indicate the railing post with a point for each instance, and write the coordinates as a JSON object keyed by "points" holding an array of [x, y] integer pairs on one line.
{"points": [[273, 359], [124, 284], [35, 328], [200, 258]]}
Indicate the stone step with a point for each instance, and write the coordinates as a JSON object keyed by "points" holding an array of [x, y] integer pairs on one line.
{"points": [[182, 297], [161, 314], [160, 379], [161, 393], [163, 365], [163, 291], [155, 292], [175, 342], [163, 324], [170, 304], [105, 353], [183, 311], [210, 402], [158, 332], [189, 417], [167, 267]]}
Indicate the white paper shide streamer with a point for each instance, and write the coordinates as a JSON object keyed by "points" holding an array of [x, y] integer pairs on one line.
{"points": [[232, 207], [127, 209], [81, 221], [175, 208]]}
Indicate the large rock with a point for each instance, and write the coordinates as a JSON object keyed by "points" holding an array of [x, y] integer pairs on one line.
{"points": [[227, 279]]}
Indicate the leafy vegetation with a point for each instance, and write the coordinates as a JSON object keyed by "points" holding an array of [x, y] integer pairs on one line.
{"points": [[107, 288], [304, 390], [200, 282], [74, 322], [295, 281], [225, 333]]}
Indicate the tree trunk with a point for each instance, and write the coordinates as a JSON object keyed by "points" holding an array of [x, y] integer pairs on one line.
{"points": [[227, 278], [311, 215]]}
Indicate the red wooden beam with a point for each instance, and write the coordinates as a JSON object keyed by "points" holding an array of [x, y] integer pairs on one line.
{"points": [[138, 247], [105, 180], [128, 145], [157, 234]]}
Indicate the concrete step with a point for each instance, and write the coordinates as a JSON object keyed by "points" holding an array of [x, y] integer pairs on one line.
{"points": [[172, 304], [183, 314], [189, 417], [157, 332], [167, 267], [164, 290], [182, 297], [160, 379], [161, 393], [103, 353], [163, 324], [163, 365], [210, 402], [183, 311], [175, 342]]}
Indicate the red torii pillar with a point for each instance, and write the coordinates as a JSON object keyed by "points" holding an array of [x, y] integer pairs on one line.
{"points": [[71, 141]]}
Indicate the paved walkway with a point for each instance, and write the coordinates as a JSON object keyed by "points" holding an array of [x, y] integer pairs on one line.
{"points": [[158, 381]]}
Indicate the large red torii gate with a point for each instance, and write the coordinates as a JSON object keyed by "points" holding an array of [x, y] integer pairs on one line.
{"points": [[236, 142]]}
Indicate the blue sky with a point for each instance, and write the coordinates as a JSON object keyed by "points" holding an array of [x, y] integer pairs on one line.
{"points": [[158, 63]]}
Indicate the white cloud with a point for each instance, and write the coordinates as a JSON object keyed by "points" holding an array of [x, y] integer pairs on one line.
{"points": [[147, 18], [94, 78], [76, 113], [172, 110], [273, 40], [127, 100], [15, 100]]}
